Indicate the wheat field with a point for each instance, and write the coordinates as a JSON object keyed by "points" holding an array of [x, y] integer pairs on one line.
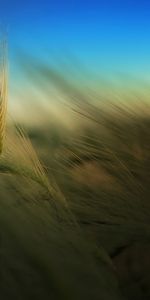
{"points": [[74, 203]]}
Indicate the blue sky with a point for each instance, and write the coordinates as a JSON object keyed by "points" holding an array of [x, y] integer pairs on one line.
{"points": [[109, 36]]}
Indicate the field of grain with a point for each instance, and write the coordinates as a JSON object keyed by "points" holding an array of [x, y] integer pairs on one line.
{"points": [[74, 200]]}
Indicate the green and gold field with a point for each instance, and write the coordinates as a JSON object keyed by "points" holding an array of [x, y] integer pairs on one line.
{"points": [[75, 191]]}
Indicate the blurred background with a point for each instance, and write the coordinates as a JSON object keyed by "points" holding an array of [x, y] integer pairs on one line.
{"points": [[92, 42]]}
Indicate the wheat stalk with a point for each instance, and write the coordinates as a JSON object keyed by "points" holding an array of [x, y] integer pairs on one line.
{"points": [[3, 91]]}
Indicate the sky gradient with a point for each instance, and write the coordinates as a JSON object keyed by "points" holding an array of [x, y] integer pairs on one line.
{"points": [[108, 36]]}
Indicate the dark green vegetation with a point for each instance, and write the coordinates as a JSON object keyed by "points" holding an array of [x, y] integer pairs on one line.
{"points": [[74, 205]]}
